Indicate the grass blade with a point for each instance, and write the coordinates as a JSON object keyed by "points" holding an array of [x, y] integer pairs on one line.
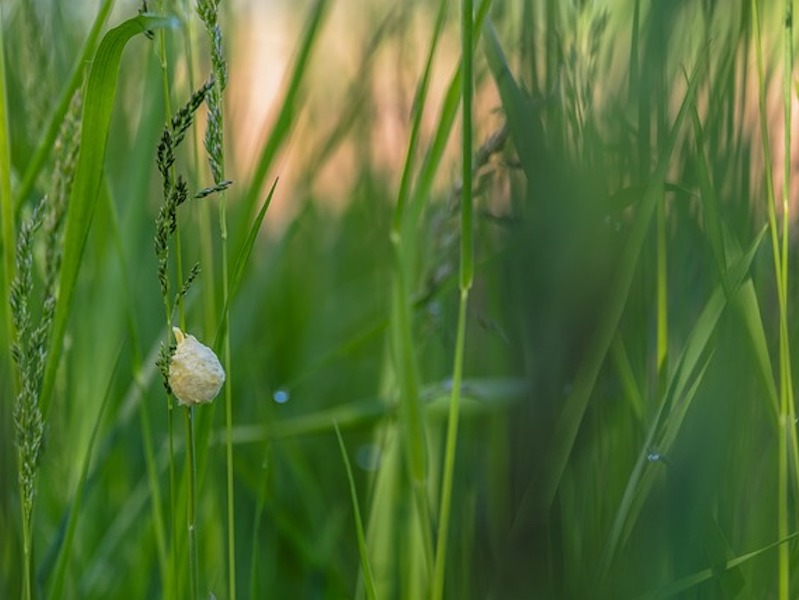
{"points": [[241, 263], [75, 79], [6, 207], [565, 430], [672, 411], [57, 589], [686, 583], [366, 568], [97, 107]]}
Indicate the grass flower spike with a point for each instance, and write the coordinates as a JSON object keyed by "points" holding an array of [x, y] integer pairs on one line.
{"points": [[195, 374]]}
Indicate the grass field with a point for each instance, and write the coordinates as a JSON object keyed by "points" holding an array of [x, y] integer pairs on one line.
{"points": [[505, 304]]}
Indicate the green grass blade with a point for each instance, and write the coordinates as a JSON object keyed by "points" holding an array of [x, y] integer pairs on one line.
{"points": [[366, 569], [525, 128], [419, 101], [568, 422], [98, 104], [449, 109], [686, 583], [241, 264], [681, 389], [466, 278], [710, 202], [748, 307], [57, 589], [54, 122], [6, 206]]}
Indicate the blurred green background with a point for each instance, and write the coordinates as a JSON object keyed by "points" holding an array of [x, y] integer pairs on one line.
{"points": [[627, 424]]}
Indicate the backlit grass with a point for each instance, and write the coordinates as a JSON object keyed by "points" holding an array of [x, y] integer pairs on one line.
{"points": [[504, 293]]}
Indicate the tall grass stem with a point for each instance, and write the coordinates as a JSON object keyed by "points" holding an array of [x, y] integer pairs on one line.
{"points": [[466, 278]]}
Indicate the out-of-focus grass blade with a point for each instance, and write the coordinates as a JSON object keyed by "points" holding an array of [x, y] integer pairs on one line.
{"points": [[65, 549], [288, 111], [98, 104], [480, 397], [356, 94], [748, 307], [366, 569], [671, 413], [523, 122], [54, 123], [685, 583], [709, 201], [446, 118], [6, 207], [241, 263], [419, 101], [571, 416]]}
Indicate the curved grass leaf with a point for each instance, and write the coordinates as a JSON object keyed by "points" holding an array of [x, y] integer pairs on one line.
{"points": [[98, 105]]}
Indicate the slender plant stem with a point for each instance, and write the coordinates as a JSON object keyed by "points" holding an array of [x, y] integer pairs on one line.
{"points": [[780, 256], [231, 522], [162, 51], [27, 584], [450, 450], [466, 279], [191, 465]]}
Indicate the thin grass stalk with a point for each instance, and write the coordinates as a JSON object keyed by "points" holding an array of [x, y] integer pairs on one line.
{"points": [[162, 56], [779, 250], [786, 190], [466, 279], [208, 11], [662, 296], [191, 465], [418, 110]]}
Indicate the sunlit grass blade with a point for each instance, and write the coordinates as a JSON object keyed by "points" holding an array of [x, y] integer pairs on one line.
{"points": [[419, 103], [366, 569], [446, 118], [98, 104]]}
